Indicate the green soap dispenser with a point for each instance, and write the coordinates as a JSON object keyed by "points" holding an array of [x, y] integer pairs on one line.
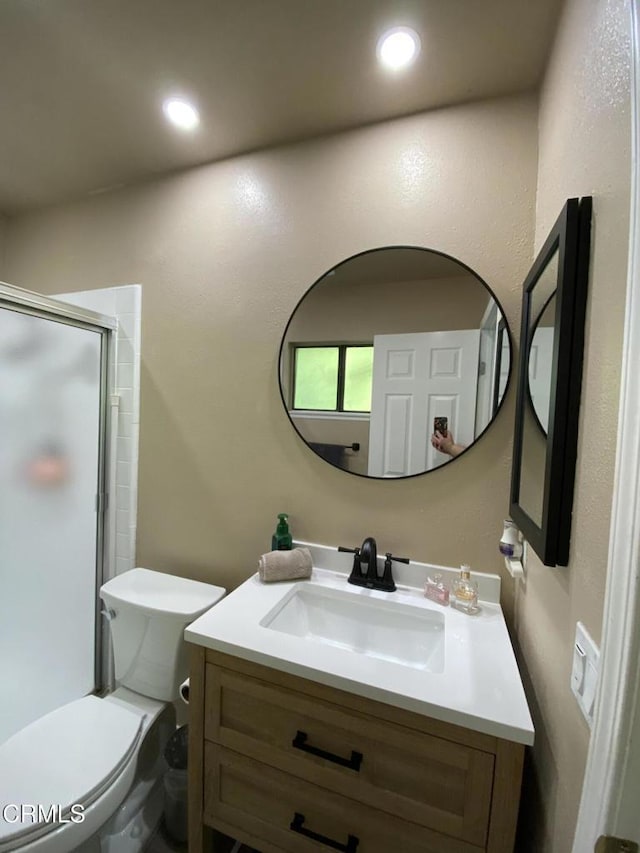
{"points": [[281, 539]]}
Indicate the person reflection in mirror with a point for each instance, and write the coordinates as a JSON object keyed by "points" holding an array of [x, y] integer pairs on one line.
{"points": [[446, 444]]}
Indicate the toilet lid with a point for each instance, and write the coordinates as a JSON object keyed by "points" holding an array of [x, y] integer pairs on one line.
{"points": [[70, 756]]}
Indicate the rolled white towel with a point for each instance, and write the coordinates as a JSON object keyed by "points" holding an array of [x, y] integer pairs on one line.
{"points": [[285, 565]]}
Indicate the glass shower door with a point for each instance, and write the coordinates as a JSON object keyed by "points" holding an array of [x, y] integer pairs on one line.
{"points": [[50, 428]]}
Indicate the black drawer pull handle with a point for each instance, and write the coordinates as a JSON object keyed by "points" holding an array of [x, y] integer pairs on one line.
{"points": [[353, 763], [350, 847]]}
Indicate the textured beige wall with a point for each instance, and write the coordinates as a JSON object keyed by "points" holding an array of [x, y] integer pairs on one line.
{"points": [[584, 150], [224, 252]]}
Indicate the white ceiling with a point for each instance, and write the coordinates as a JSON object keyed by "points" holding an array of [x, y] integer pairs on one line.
{"points": [[82, 81]]}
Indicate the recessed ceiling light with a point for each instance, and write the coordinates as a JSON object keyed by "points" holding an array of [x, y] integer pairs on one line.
{"points": [[398, 47], [181, 113]]}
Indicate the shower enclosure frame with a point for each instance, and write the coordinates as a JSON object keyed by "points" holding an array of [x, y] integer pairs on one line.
{"points": [[26, 302]]}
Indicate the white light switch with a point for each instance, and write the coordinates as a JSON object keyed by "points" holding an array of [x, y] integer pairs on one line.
{"points": [[584, 672], [578, 669]]}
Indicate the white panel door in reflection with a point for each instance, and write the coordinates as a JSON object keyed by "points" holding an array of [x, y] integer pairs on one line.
{"points": [[417, 377]]}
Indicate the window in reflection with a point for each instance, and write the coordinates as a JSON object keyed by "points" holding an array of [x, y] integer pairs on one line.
{"points": [[332, 378]]}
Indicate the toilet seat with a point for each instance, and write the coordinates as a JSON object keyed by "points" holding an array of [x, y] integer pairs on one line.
{"points": [[72, 755]]}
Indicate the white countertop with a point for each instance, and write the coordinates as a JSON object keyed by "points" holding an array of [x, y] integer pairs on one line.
{"points": [[480, 687]]}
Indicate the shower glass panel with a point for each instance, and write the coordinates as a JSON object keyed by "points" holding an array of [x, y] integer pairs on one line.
{"points": [[50, 427]]}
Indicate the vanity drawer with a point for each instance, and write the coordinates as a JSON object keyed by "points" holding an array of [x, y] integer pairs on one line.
{"points": [[414, 776], [259, 802]]}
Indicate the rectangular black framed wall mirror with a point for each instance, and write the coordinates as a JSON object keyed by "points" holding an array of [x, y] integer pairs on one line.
{"points": [[549, 379]]}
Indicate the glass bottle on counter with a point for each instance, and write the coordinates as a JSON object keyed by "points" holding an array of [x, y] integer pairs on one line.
{"points": [[464, 592], [435, 589]]}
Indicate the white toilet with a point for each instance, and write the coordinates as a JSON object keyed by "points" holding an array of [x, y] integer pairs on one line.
{"points": [[104, 757]]}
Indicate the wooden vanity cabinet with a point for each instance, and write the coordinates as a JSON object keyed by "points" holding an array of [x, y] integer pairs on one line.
{"points": [[287, 765]]}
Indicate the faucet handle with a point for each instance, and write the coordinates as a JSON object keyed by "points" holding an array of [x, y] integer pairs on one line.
{"points": [[356, 571], [388, 583], [390, 557]]}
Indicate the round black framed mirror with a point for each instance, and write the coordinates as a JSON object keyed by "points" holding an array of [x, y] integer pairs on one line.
{"points": [[382, 345]]}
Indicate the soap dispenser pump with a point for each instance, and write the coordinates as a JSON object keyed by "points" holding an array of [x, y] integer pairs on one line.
{"points": [[281, 539]]}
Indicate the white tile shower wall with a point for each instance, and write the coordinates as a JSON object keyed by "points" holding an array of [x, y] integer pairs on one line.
{"points": [[125, 303]]}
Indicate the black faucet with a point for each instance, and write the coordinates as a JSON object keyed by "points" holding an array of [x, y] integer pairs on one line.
{"points": [[368, 554]]}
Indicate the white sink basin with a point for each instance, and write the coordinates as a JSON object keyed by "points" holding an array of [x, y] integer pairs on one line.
{"points": [[396, 648], [383, 629]]}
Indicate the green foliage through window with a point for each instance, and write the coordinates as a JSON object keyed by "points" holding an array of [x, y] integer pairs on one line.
{"points": [[334, 378]]}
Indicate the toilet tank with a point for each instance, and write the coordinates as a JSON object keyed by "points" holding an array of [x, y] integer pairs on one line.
{"points": [[148, 613]]}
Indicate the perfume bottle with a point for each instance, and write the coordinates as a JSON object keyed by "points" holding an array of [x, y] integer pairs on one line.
{"points": [[464, 593], [436, 590]]}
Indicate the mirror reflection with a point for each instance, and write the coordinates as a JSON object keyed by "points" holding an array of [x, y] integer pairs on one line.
{"points": [[536, 412], [540, 361], [381, 346]]}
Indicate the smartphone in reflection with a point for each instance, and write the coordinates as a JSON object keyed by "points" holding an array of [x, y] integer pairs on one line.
{"points": [[441, 425]]}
